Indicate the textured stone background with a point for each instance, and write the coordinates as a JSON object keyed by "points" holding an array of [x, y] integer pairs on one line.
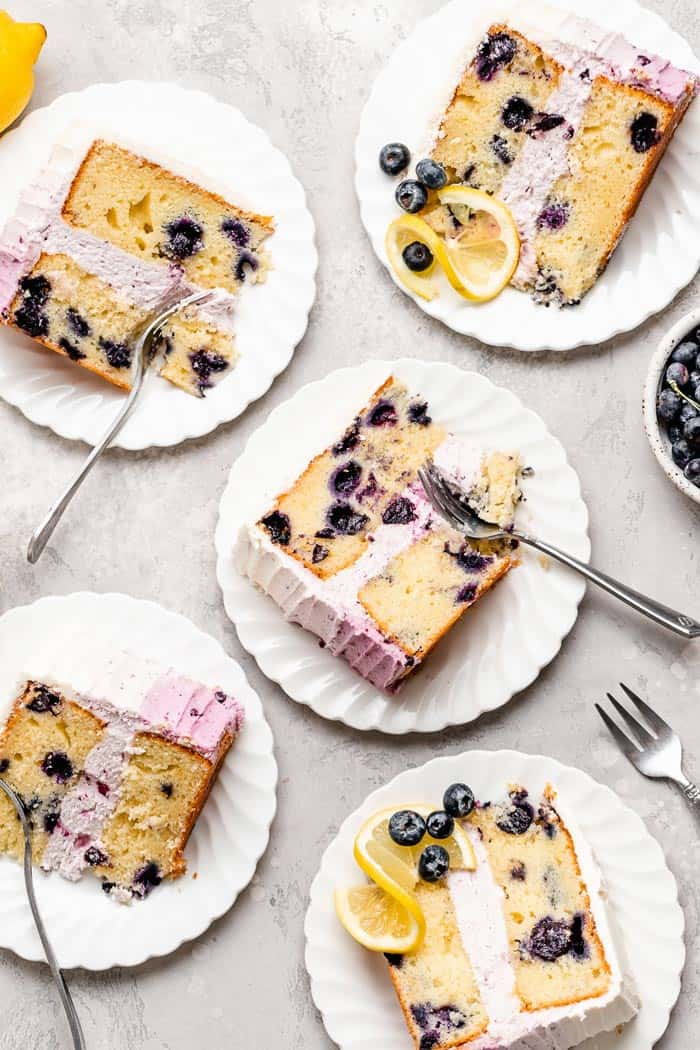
{"points": [[144, 523]]}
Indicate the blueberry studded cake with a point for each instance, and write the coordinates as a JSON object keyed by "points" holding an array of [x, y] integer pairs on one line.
{"points": [[354, 552], [566, 129], [113, 778], [517, 949], [99, 241]]}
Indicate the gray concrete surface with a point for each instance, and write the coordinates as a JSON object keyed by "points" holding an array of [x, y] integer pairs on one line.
{"points": [[144, 524]]}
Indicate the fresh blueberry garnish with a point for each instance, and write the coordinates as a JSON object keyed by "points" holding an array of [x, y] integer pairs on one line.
{"points": [[440, 825], [44, 700], [553, 216], [399, 512], [57, 764], [205, 364], [692, 471], [677, 373], [77, 323], [118, 354], [458, 801], [146, 879], [418, 413], [411, 195], [71, 349], [346, 478], [95, 856], [4, 765], [433, 863], [343, 519], [431, 174], [691, 432], [516, 113], [406, 828], [500, 148], [417, 256], [494, 51], [675, 433], [185, 238], [382, 415], [319, 553], [668, 405], [245, 258], [687, 412], [644, 133], [550, 939], [349, 440], [517, 818], [167, 790], [685, 353], [279, 527], [236, 231], [394, 158]]}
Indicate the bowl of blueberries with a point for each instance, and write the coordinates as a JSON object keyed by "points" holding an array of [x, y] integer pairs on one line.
{"points": [[672, 404]]}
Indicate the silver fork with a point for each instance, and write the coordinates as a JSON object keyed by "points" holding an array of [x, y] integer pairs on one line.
{"points": [[455, 509], [144, 351], [65, 996], [652, 747]]}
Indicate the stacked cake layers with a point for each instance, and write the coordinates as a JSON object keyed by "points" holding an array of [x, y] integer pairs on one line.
{"points": [[113, 777], [354, 552], [518, 953], [102, 239], [568, 134]]}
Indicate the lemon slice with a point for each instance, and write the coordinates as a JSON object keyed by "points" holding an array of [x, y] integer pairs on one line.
{"points": [[395, 868], [402, 232], [483, 255], [377, 920]]}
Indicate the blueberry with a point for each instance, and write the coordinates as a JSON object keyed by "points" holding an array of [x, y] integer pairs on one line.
{"points": [[343, 519], [349, 440], [494, 51], [644, 133], [167, 789], [279, 527], [382, 415], [431, 174], [692, 471], [440, 825], [185, 238], [77, 323], [146, 879], [687, 412], [517, 819], [236, 231], [245, 258], [668, 405], [516, 113], [399, 512], [553, 216], [50, 821], [107, 887], [545, 122], [411, 195], [4, 765], [71, 349], [691, 432], [472, 561], [394, 960], [500, 148], [418, 413], [406, 828], [685, 354], [319, 553], [675, 433], [694, 377], [681, 452], [94, 856], [57, 764], [518, 872], [417, 256], [31, 320], [550, 939], [346, 478], [44, 700], [466, 593], [205, 364], [433, 863], [118, 354], [394, 158], [677, 373], [458, 801], [35, 289], [577, 943]]}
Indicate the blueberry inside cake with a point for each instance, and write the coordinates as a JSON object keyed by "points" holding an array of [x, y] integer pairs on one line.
{"points": [[113, 786], [354, 552], [99, 241], [567, 131], [517, 953]]}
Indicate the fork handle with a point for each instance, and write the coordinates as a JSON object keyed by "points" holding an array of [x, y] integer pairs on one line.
{"points": [[675, 621], [690, 790]]}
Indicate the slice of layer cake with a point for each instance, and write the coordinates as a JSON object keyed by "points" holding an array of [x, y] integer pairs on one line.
{"points": [[567, 132], [519, 952], [354, 552], [102, 239], [113, 780]]}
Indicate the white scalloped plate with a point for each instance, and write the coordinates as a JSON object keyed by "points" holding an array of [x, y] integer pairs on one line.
{"points": [[237, 160], [86, 928], [496, 649], [350, 986], [659, 254]]}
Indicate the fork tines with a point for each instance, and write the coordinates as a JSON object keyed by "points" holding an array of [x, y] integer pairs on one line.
{"points": [[640, 735]]}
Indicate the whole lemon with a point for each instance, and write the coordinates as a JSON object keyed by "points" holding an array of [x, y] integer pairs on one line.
{"points": [[20, 44]]}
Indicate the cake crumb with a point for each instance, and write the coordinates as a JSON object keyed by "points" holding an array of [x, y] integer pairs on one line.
{"points": [[544, 561]]}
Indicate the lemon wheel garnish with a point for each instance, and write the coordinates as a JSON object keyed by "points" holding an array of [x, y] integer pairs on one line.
{"points": [[484, 253], [402, 232], [377, 920]]}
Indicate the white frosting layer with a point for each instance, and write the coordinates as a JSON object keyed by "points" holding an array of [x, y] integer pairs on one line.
{"points": [[478, 902]]}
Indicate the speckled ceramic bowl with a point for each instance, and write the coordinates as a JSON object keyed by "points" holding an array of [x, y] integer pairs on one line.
{"points": [[658, 438]]}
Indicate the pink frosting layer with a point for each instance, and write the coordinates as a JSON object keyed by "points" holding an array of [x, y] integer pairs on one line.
{"points": [[648, 71], [194, 711]]}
